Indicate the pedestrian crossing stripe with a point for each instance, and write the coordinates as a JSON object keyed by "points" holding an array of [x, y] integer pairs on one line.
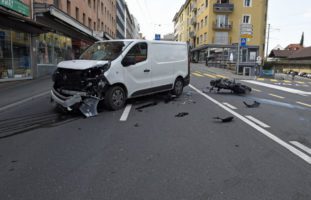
{"points": [[256, 90], [287, 81], [196, 74], [260, 79], [209, 75], [300, 82], [273, 80]]}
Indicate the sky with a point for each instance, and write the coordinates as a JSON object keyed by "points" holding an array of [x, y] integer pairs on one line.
{"points": [[288, 19]]}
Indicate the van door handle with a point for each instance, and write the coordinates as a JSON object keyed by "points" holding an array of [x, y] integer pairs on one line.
{"points": [[147, 70]]}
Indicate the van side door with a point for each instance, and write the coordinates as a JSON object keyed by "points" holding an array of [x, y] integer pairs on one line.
{"points": [[137, 70]]}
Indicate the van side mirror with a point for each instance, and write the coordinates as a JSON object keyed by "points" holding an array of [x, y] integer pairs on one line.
{"points": [[128, 60]]}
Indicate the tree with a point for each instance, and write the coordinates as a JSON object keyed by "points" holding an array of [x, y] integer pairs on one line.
{"points": [[302, 39]]}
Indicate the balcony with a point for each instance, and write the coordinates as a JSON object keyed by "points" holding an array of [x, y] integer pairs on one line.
{"points": [[222, 26], [192, 34], [223, 7]]}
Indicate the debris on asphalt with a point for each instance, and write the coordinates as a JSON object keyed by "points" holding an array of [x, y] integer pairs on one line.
{"points": [[189, 93], [182, 114], [146, 106], [256, 104], [136, 125], [168, 98], [225, 120]]}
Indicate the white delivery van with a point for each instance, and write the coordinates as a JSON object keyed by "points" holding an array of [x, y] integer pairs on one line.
{"points": [[116, 70]]}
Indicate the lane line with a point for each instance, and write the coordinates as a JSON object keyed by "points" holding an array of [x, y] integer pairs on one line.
{"points": [[304, 104], [289, 147], [230, 106], [208, 75], [260, 123], [286, 89], [300, 82], [277, 96], [196, 74], [301, 146], [256, 90], [221, 76], [23, 101], [126, 113]]}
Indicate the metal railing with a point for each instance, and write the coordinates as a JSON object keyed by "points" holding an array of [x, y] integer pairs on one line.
{"points": [[223, 7]]}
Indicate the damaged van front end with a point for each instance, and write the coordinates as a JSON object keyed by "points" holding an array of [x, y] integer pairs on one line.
{"points": [[80, 84]]}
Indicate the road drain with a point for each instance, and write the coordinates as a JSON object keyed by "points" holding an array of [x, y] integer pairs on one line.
{"points": [[21, 124]]}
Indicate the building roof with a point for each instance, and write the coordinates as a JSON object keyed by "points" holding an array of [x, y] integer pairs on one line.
{"points": [[280, 53], [304, 53], [294, 47]]}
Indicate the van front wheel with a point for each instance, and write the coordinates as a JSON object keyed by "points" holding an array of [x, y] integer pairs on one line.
{"points": [[178, 87], [115, 98]]}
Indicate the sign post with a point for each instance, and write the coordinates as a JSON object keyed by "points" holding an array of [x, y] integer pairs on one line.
{"points": [[246, 32]]}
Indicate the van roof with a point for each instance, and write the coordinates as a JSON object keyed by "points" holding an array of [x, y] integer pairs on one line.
{"points": [[148, 41]]}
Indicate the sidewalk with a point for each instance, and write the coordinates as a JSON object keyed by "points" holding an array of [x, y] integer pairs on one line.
{"points": [[12, 92], [220, 71]]}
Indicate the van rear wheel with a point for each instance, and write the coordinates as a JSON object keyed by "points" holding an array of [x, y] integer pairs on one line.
{"points": [[178, 87], [115, 98]]}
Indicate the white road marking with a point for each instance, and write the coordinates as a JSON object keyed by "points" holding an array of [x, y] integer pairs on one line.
{"points": [[301, 146], [260, 123], [289, 147], [290, 90], [23, 101], [304, 104], [277, 96], [230, 106], [256, 90], [126, 113]]}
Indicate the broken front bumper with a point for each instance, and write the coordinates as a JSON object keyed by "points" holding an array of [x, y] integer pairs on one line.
{"points": [[88, 105], [66, 102]]}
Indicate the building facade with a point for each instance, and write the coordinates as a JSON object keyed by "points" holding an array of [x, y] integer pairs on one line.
{"points": [[213, 30], [35, 35]]}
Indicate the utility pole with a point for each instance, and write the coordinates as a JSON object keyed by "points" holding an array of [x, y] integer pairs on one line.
{"points": [[268, 38]]}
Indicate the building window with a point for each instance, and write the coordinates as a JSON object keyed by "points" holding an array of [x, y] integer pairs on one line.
{"points": [[206, 21], [77, 13], [90, 23], [89, 3], [94, 26], [102, 8], [202, 23], [83, 18], [102, 28], [201, 38], [205, 37], [246, 19], [94, 4], [206, 3], [68, 7], [198, 40], [247, 3]]}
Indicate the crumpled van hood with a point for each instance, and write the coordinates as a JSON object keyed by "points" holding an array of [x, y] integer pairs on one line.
{"points": [[81, 64]]}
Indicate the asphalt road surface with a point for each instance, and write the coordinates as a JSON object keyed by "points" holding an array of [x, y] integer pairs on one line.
{"points": [[151, 153]]}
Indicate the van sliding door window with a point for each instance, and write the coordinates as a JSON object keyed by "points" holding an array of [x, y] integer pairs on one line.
{"points": [[138, 52]]}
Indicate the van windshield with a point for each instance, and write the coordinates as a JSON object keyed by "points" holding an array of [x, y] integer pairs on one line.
{"points": [[104, 50]]}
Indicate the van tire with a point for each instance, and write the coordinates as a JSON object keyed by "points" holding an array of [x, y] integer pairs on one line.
{"points": [[178, 87], [115, 98]]}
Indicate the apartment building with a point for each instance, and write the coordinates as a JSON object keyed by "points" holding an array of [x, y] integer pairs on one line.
{"points": [[212, 29]]}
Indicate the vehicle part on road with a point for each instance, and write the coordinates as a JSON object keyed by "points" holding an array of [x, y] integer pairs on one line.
{"points": [[136, 125], [89, 107], [146, 106], [225, 120], [256, 104], [227, 84], [182, 114], [168, 98]]}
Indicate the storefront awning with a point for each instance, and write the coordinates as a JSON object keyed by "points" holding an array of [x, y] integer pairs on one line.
{"points": [[9, 20], [61, 22]]}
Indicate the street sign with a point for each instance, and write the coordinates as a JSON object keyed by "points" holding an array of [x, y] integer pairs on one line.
{"points": [[246, 33], [246, 29], [246, 26], [157, 37], [246, 36], [243, 42]]}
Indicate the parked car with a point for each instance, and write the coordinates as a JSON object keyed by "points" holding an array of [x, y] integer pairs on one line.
{"points": [[301, 74], [114, 71], [308, 75]]}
